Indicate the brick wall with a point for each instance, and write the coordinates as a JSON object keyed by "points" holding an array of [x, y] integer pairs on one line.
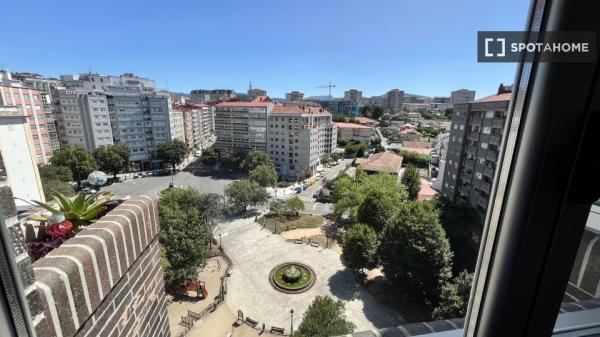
{"points": [[107, 280]]}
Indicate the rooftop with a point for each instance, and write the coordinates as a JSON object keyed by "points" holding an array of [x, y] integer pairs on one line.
{"points": [[495, 98], [382, 162], [351, 126], [426, 192], [365, 120], [260, 101]]}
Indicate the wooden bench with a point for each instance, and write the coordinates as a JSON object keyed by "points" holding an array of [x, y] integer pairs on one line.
{"points": [[298, 242], [196, 316], [314, 244], [251, 322], [277, 330]]}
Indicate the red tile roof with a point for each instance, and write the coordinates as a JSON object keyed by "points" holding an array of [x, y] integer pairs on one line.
{"points": [[495, 98], [287, 109], [351, 126], [260, 101], [382, 162], [417, 147], [365, 120], [426, 192]]}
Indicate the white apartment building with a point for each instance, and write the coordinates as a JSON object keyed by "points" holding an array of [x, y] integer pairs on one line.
{"points": [[19, 155], [205, 95], [299, 138], [462, 96], [83, 118], [354, 96], [352, 131], [126, 83], [177, 125], [242, 126], [394, 99]]}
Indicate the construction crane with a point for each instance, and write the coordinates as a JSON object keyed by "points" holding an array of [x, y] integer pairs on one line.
{"points": [[330, 86]]}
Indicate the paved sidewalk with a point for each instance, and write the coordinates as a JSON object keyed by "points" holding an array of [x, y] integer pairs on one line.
{"points": [[255, 252]]}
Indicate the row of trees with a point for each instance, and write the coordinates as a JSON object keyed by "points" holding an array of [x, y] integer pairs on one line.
{"points": [[387, 227], [234, 160]]}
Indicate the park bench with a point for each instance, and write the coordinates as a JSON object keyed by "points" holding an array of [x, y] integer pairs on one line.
{"points": [[298, 242], [314, 244], [277, 330], [251, 322], [196, 316]]}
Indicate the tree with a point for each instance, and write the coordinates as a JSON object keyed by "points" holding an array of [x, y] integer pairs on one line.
{"points": [[376, 208], [77, 159], [254, 159], [415, 253], [412, 180], [412, 158], [293, 206], [264, 175], [113, 158], [210, 157], [172, 152], [185, 233], [230, 159], [244, 193], [325, 317], [359, 247], [454, 297], [53, 172], [463, 226]]}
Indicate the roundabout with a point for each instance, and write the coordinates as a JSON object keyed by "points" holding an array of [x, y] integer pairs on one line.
{"points": [[292, 277]]}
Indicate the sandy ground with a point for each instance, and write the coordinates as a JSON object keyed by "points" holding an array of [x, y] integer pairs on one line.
{"points": [[315, 234]]}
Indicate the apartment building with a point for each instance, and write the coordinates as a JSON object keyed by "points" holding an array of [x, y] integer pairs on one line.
{"points": [[394, 99], [126, 83], [140, 121], [19, 157], [299, 138], [438, 158], [204, 95], [30, 102], [242, 126], [201, 124], [353, 95], [177, 125], [352, 131], [473, 148], [255, 92], [462, 96], [294, 96], [83, 118]]}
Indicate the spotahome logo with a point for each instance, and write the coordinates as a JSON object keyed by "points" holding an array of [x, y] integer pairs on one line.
{"points": [[563, 47]]}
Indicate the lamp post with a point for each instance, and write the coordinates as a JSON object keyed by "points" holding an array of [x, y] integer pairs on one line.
{"points": [[220, 241], [292, 322]]}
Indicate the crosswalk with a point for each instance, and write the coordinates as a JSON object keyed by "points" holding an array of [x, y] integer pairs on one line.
{"points": [[307, 198]]}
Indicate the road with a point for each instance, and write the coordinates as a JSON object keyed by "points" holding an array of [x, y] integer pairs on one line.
{"points": [[153, 185]]}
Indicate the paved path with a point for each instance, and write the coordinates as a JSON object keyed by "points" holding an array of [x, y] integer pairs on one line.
{"points": [[255, 252]]}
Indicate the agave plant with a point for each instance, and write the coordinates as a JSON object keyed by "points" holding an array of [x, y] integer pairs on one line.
{"points": [[81, 210]]}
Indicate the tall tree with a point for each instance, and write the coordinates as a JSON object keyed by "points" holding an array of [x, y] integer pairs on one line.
{"points": [[172, 152], [113, 158], [376, 209], [210, 157], [359, 247], [412, 180], [293, 206], [454, 297], [77, 159], [254, 159], [244, 193], [185, 232], [264, 175], [230, 159], [325, 317], [414, 251]]}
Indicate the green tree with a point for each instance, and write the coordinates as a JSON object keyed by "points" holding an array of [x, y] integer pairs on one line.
{"points": [[359, 247], [454, 297], [210, 157], [325, 317], [77, 159], [113, 158], [415, 253], [254, 159], [264, 175], [172, 152], [244, 193], [53, 172], [230, 159], [463, 226], [293, 206], [185, 233], [376, 208], [412, 158], [412, 180]]}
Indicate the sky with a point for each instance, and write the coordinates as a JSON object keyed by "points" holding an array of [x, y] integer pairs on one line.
{"points": [[425, 47]]}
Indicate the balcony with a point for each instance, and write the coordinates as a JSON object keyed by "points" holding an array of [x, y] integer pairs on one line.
{"points": [[491, 155], [488, 171], [469, 163], [472, 150], [498, 123], [486, 187], [495, 139], [476, 121], [473, 136]]}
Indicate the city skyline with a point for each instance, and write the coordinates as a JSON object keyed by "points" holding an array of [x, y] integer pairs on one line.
{"points": [[423, 53]]}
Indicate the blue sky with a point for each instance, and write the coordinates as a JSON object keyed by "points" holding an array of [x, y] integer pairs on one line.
{"points": [[420, 46]]}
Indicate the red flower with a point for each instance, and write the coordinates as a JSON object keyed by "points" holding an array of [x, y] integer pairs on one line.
{"points": [[59, 230]]}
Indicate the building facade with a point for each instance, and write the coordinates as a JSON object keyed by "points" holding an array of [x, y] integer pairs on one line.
{"points": [[31, 104], [462, 96], [352, 131], [473, 148], [299, 138], [126, 83], [394, 99], [242, 126], [177, 125], [354, 96], [294, 96], [204, 95], [19, 154]]}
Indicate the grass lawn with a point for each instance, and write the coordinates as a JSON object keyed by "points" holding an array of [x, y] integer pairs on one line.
{"points": [[283, 223]]}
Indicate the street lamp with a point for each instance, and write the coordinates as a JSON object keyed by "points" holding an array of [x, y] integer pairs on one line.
{"points": [[292, 322], [220, 241]]}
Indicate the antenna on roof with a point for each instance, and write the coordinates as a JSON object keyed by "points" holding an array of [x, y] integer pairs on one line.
{"points": [[250, 86]]}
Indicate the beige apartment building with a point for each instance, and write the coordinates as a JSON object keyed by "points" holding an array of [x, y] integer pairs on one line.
{"points": [[299, 138]]}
